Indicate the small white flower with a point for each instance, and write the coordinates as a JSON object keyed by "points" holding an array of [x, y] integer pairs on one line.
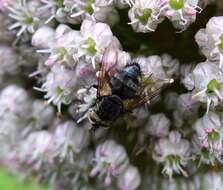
{"points": [[15, 112], [187, 76], [88, 98], [210, 40], [154, 67], [174, 152], [175, 184], [207, 84], [43, 37], [210, 132], [158, 125], [202, 153], [114, 58], [86, 75], [68, 47], [97, 10], [186, 110], [210, 181], [143, 15], [171, 66], [75, 175], [107, 14], [56, 9], [26, 16], [42, 114], [11, 129], [95, 38], [130, 179], [62, 47], [36, 149], [60, 86], [15, 100], [69, 139], [180, 12], [111, 160]]}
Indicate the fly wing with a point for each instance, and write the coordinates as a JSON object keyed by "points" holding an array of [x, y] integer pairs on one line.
{"points": [[106, 70], [140, 100], [103, 84], [146, 92]]}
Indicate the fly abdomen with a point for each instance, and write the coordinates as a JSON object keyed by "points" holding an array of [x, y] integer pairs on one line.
{"points": [[110, 108]]}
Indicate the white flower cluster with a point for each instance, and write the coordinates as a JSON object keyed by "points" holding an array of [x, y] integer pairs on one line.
{"points": [[51, 58], [146, 15], [20, 115], [74, 57], [112, 160]]}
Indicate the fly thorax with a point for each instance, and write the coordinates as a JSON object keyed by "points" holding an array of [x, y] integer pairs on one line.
{"points": [[133, 71]]}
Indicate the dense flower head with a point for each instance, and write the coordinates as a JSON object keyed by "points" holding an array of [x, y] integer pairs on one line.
{"points": [[60, 64]]}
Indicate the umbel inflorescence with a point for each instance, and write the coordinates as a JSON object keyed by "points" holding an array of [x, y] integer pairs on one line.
{"points": [[51, 57]]}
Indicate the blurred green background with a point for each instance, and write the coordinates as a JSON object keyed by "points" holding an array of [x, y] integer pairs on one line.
{"points": [[13, 182]]}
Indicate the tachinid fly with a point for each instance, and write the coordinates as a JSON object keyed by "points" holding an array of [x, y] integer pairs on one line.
{"points": [[117, 93]]}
